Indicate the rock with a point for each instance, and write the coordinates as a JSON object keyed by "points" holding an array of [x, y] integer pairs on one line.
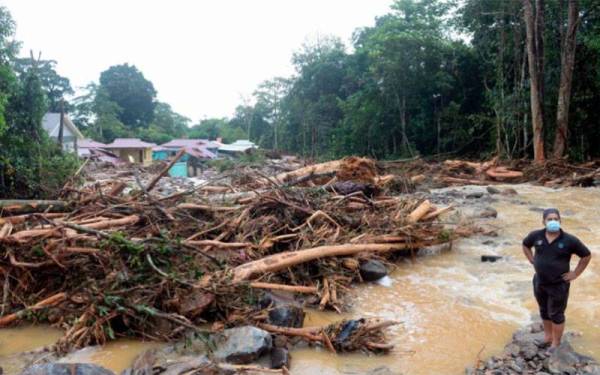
{"points": [[492, 364], [492, 190], [541, 373], [564, 360], [475, 195], [591, 370], [490, 258], [513, 366], [66, 369], [488, 212], [280, 357], [488, 242], [525, 337], [372, 270], [183, 365], [509, 191], [346, 331], [512, 349], [241, 345], [536, 209], [266, 300], [280, 341], [529, 350], [287, 316]]}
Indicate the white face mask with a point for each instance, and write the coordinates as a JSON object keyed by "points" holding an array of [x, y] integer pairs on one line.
{"points": [[553, 225]]}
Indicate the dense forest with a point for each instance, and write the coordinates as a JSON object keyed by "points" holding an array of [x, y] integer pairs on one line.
{"points": [[471, 78]]}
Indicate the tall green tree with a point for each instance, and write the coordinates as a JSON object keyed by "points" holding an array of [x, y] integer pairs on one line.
{"points": [[126, 86]]}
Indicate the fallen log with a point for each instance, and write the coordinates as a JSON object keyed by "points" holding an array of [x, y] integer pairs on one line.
{"points": [[204, 207], [24, 206], [165, 170], [117, 189], [503, 174], [219, 244], [315, 169], [26, 234], [463, 181], [18, 219], [438, 212], [419, 212], [286, 288], [50, 301], [277, 262]]}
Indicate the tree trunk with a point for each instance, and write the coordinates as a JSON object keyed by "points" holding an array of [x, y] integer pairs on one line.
{"points": [[533, 43], [567, 63]]}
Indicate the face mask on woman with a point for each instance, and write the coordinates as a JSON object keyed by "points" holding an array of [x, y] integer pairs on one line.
{"points": [[553, 226]]}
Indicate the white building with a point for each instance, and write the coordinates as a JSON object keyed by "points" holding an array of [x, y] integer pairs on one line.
{"points": [[71, 135]]}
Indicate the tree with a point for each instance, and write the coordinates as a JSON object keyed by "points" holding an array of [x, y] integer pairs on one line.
{"points": [[54, 85], [535, 51], [208, 128], [126, 86], [9, 47], [98, 116], [567, 63], [269, 95]]}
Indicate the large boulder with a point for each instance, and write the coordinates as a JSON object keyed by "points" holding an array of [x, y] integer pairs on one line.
{"points": [[241, 345], [372, 270], [287, 316], [66, 369]]}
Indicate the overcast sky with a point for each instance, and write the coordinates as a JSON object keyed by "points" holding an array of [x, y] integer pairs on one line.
{"points": [[201, 55]]}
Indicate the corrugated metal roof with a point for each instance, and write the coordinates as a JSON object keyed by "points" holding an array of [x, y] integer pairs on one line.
{"points": [[238, 146], [161, 148], [90, 143], [200, 152], [129, 143], [178, 143]]}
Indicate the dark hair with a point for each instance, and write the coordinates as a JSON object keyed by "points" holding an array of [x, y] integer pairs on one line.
{"points": [[549, 211]]}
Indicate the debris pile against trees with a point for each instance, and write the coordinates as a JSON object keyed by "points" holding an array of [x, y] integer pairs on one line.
{"points": [[103, 264], [551, 173]]}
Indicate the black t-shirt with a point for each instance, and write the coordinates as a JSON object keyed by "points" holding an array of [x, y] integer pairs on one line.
{"points": [[551, 260]]}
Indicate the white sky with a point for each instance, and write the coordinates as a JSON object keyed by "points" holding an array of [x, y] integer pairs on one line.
{"points": [[201, 55]]}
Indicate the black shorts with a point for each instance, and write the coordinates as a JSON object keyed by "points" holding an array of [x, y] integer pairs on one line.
{"points": [[552, 300]]}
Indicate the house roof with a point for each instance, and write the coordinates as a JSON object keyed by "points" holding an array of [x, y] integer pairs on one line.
{"points": [[129, 143], [200, 152], [238, 146], [161, 148], [90, 143], [51, 123], [179, 143]]}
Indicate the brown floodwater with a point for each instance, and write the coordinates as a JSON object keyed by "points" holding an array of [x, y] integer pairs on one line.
{"points": [[452, 307]]}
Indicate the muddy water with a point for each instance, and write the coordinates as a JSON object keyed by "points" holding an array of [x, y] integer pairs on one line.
{"points": [[453, 307]]}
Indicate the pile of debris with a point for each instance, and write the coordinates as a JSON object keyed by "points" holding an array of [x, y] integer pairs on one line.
{"points": [[551, 173], [102, 264]]}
